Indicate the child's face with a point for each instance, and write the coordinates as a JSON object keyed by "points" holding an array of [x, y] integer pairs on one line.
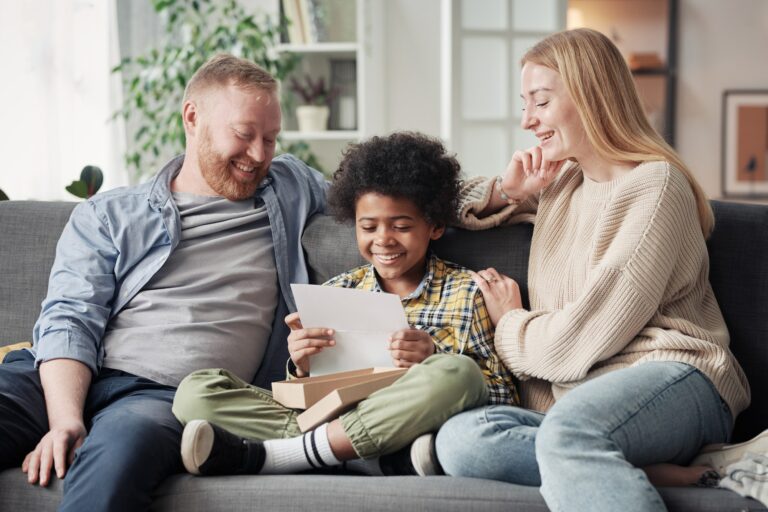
{"points": [[394, 236]]}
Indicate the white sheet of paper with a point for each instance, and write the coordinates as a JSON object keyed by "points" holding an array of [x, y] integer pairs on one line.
{"points": [[363, 322]]}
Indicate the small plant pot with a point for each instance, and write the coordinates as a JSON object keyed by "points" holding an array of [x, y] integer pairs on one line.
{"points": [[312, 118]]}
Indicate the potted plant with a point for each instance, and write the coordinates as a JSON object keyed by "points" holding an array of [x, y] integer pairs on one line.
{"points": [[312, 116]]}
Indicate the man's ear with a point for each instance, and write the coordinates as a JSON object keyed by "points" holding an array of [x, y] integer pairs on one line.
{"points": [[189, 116], [437, 232]]}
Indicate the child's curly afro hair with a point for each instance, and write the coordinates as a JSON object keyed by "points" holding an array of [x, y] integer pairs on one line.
{"points": [[406, 165]]}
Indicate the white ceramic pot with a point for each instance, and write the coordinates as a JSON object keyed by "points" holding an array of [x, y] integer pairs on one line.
{"points": [[312, 118]]}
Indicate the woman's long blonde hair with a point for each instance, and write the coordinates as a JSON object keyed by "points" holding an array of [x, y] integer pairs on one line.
{"points": [[602, 88]]}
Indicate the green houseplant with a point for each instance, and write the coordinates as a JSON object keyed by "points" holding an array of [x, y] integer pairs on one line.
{"points": [[195, 30], [91, 179]]}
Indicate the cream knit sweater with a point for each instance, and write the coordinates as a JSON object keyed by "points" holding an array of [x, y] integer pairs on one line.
{"points": [[618, 275]]}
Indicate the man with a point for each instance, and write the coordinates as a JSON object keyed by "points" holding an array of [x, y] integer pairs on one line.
{"points": [[188, 271]]}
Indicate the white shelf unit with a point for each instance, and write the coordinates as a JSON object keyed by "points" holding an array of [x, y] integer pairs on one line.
{"points": [[364, 47], [291, 135]]}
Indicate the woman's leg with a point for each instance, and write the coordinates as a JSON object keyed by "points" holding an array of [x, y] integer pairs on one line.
{"points": [[592, 442], [495, 442]]}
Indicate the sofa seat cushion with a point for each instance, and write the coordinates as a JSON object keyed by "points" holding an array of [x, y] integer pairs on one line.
{"points": [[334, 493]]}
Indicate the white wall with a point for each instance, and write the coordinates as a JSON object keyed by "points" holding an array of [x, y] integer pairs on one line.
{"points": [[56, 96], [412, 65], [723, 45]]}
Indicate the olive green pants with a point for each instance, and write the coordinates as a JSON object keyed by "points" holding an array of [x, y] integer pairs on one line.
{"points": [[418, 402]]}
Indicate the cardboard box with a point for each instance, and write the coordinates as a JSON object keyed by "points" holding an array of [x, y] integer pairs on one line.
{"points": [[304, 392], [341, 399]]}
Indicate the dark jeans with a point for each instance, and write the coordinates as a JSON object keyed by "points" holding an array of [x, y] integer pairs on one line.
{"points": [[133, 437]]}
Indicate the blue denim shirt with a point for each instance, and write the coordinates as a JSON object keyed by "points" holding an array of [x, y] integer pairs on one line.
{"points": [[116, 241]]}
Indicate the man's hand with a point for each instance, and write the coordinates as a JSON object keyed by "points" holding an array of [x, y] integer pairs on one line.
{"points": [[55, 450], [501, 293], [65, 384], [303, 343], [410, 346]]}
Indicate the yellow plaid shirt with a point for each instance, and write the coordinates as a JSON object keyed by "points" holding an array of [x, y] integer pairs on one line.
{"points": [[450, 307]]}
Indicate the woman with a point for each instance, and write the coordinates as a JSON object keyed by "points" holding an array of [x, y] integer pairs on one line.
{"points": [[623, 358]]}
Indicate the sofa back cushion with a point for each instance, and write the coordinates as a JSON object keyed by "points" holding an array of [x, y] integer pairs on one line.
{"points": [[29, 231], [739, 274], [738, 252], [331, 249]]}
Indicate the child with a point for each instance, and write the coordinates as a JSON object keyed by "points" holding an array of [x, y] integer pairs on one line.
{"points": [[401, 191]]}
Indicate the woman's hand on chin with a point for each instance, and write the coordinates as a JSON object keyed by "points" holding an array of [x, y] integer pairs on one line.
{"points": [[528, 173], [501, 293]]}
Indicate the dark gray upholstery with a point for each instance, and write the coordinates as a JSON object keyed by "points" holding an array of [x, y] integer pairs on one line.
{"points": [[28, 233], [738, 251]]}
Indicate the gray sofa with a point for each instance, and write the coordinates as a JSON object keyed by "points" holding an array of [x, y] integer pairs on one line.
{"points": [[739, 274]]}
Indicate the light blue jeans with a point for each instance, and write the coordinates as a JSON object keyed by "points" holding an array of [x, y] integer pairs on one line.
{"points": [[586, 451]]}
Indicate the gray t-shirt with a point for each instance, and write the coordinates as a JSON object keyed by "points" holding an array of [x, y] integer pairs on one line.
{"points": [[212, 303]]}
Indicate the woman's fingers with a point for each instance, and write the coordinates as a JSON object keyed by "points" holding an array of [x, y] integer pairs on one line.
{"points": [[482, 283], [536, 159]]}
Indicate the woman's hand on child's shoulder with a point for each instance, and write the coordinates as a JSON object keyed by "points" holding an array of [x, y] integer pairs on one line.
{"points": [[303, 343], [410, 346], [500, 293]]}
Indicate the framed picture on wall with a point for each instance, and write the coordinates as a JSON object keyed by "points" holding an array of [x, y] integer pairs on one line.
{"points": [[745, 144]]}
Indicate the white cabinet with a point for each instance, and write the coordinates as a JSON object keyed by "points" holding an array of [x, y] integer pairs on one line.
{"points": [[343, 43]]}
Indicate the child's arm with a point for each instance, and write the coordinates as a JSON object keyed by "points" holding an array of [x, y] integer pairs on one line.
{"points": [[410, 346], [480, 347], [303, 343]]}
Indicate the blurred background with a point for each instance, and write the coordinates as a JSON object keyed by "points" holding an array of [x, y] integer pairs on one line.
{"points": [[99, 82]]}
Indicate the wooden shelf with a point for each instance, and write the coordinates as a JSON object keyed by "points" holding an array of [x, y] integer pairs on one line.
{"points": [[320, 48], [651, 72]]}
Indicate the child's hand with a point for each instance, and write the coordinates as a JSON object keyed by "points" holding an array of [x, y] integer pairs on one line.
{"points": [[303, 343], [410, 346]]}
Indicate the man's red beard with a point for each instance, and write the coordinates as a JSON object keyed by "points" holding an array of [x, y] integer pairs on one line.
{"points": [[216, 172]]}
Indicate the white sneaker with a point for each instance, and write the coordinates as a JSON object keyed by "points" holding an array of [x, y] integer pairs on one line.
{"points": [[719, 456], [424, 457]]}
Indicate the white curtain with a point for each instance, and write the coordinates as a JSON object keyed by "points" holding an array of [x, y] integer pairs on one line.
{"points": [[58, 96]]}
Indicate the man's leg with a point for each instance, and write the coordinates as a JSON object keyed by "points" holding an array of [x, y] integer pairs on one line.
{"points": [[594, 439], [23, 417], [132, 445], [495, 442]]}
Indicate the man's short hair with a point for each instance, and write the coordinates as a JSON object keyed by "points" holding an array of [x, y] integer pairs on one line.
{"points": [[225, 69]]}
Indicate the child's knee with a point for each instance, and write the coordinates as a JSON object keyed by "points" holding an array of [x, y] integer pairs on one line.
{"points": [[194, 398], [457, 375]]}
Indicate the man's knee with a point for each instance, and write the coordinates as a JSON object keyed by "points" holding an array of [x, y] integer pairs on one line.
{"points": [[137, 429]]}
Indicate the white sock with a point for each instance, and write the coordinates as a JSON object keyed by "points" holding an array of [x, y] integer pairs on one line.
{"points": [[308, 451]]}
